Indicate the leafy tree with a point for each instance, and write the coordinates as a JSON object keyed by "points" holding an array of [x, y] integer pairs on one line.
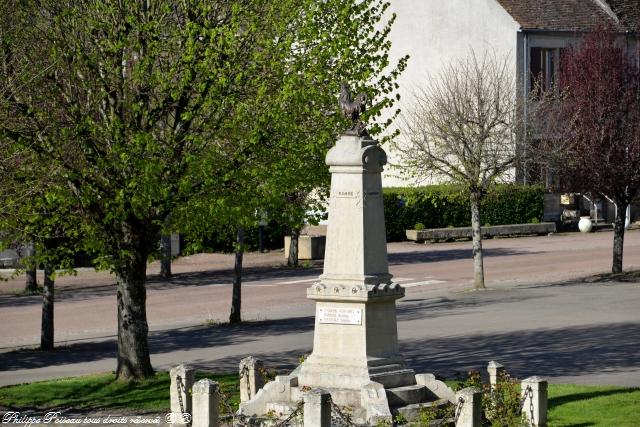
{"points": [[592, 125], [194, 109], [282, 132], [463, 128]]}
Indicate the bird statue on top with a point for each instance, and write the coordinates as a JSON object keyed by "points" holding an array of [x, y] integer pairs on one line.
{"points": [[352, 108]]}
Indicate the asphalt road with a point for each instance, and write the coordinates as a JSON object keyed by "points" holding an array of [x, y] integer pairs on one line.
{"points": [[538, 317]]}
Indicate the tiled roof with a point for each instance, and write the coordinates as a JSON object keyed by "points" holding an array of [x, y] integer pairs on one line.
{"points": [[628, 11], [559, 15]]}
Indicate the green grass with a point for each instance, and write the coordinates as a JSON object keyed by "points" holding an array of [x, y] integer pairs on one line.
{"points": [[569, 405], [582, 406], [103, 391]]}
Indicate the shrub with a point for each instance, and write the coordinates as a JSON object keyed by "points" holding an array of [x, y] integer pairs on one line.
{"points": [[440, 206], [419, 226], [500, 405]]}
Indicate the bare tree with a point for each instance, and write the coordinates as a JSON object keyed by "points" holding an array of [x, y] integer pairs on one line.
{"points": [[463, 128]]}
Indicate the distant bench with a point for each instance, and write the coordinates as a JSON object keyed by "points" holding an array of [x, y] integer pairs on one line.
{"points": [[454, 233]]}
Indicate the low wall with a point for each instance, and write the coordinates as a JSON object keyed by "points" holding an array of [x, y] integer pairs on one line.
{"points": [[309, 247], [454, 233]]}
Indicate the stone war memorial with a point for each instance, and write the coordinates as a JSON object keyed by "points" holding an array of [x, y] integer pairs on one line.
{"points": [[356, 366], [355, 354]]}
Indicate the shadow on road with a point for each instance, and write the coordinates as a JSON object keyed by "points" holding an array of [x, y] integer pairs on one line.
{"points": [[432, 254], [570, 351], [429, 308], [183, 339], [155, 282]]}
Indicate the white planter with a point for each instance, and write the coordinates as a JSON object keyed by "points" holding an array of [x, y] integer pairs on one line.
{"points": [[585, 225]]}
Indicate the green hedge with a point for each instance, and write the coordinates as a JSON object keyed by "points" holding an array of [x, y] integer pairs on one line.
{"points": [[439, 206]]}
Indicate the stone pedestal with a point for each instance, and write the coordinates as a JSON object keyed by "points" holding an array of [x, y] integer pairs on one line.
{"points": [[355, 339], [355, 349]]}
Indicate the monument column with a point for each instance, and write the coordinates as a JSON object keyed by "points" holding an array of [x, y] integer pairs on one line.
{"points": [[355, 345], [355, 338]]}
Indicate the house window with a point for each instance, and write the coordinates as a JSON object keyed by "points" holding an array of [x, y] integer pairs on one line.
{"points": [[543, 70]]}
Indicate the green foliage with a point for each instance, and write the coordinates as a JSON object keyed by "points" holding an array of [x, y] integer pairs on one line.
{"points": [[419, 226], [400, 419], [440, 206], [501, 405], [222, 239], [430, 414]]}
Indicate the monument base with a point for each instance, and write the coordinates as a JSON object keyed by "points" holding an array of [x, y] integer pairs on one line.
{"points": [[371, 403], [355, 358]]}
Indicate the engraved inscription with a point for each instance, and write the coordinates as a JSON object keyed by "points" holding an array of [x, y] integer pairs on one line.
{"points": [[346, 194], [341, 316]]}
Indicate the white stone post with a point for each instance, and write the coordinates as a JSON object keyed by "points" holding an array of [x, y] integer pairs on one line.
{"points": [[182, 379], [251, 377], [317, 408], [496, 371], [205, 404], [468, 407], [534, 389]]}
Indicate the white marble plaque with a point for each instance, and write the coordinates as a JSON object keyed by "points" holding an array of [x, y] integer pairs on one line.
{"points": [[341, 316]]}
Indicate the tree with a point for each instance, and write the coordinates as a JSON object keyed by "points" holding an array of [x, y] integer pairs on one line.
{"points": [[592, 124], [463, 128], [195, 109], [282, 133]]}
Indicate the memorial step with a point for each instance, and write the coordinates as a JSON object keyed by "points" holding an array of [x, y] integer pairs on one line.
{"points": [[412, 411], [406, 395], [393, 379], [376, 369], [373, 362]]}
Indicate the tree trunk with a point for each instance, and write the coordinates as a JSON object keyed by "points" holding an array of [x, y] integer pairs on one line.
{"points": [[133, 347], [293, 248], [165, 252], [236, 298], [478, 266], [618, 238], [261, 238], [46, 333], [31, 283]]}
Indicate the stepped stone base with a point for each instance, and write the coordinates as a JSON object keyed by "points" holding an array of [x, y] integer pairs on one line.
{"points": [[392, 389]]}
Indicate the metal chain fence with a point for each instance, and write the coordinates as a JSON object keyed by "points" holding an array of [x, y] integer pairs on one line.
{"points": [[528, 393], [458, 411], [180, 389]]}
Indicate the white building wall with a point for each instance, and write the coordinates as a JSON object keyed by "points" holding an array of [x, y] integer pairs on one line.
{"points": [[437, 32]]}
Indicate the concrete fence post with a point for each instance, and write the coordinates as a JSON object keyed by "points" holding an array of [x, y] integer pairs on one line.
{"points": [[205, 404], [182, 379], [317, 408], [496, 371], [468, 407], [251, 377], [534, 392]]}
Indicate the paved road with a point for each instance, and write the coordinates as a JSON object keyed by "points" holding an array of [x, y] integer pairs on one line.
{"points": [[536, 319]]}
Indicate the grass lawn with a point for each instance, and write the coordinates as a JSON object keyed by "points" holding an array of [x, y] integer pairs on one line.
{"points": [[582, 406], [103, 391], [569, 405]]}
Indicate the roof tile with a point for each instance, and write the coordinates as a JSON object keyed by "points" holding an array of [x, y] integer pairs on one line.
{"points": [[559, 15]]}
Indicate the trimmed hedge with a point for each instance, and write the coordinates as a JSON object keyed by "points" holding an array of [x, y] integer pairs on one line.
{"points": [[440, 206]]}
